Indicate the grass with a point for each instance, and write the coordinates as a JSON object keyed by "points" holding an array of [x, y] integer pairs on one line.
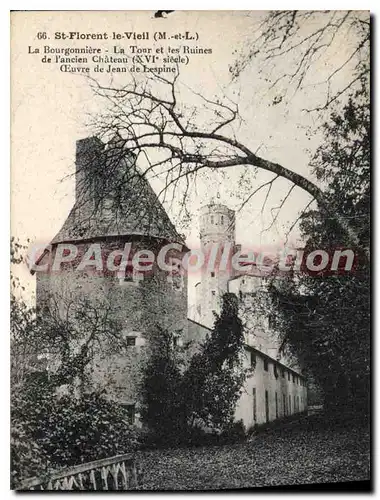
{"points": [[303, 455]]}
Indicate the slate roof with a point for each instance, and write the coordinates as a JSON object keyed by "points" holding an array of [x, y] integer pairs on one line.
{"points": [[113, 198]]}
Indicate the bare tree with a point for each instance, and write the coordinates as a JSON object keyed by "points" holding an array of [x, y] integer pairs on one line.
{"points": [[297, 50], [176, 141]]}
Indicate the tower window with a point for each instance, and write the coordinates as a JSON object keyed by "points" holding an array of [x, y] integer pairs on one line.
{"points": [[253, 360], [175, 277], [131, 341], [130, 275], [276, 405], [212, 274], [222, 219], [266, 365]]}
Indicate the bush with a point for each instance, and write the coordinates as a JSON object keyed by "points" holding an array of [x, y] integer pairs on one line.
{"points": [[59, 432]]}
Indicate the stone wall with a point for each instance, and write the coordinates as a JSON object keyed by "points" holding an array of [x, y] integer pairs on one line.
{"points": [[139, 306]]}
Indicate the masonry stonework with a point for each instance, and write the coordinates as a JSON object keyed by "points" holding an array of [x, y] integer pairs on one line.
{"points": [[142, 302]]}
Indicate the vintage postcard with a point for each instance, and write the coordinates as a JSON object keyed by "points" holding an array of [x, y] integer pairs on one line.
{"points": [[190, 250]]}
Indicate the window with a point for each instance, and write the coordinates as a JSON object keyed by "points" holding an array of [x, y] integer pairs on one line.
{"points": [[284, 404], [131, 341], [271, 323], [212, 274], [253, 360], [130, 413], [266, 365], [266, 406], [222, 219], [276, 406], [275, 371], [212, 219], [283, 373], [294, 404], [213, 292], [294, 378], [130, 275], [290, 404], [175, 277], [289, 376], [254, 404]]}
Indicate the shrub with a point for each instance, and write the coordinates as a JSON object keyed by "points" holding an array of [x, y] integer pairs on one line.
{"points": [[65, 431]]}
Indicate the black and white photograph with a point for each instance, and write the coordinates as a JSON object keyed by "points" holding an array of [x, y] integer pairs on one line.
{"points": [[190, 250]]}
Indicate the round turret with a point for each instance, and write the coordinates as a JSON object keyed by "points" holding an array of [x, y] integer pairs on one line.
{"points": [[217, 235], [217, 224]]}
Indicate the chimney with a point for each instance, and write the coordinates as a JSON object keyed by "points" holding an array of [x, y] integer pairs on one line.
{"points": [[89, 155]]}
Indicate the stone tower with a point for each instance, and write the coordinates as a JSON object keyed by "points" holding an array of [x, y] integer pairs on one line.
{"points": [[115, 206], [217, 238]]}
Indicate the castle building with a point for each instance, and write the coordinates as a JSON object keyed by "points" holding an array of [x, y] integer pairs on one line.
{"points": [[105, 219]]}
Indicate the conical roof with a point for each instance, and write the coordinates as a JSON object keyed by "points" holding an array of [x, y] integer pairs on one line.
{"points": [[113, 198]]}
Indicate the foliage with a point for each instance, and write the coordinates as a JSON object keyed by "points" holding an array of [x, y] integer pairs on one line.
{"points": [[325, 320], [214, 378], [72, 328], [57, 431], [297, 456], [50, 427], [22, 319], [161, 405], [178, 405]]}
